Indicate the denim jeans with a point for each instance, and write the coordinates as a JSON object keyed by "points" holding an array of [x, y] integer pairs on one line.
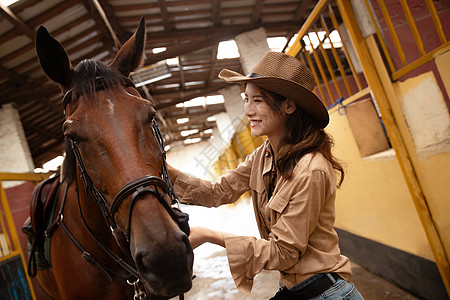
{"points": [[340, 289]]}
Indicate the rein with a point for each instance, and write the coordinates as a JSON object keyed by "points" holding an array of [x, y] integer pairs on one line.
{"points": [[147, 184]]}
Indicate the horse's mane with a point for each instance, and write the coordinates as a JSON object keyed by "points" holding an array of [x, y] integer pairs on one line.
{"points": [[88, 77]]}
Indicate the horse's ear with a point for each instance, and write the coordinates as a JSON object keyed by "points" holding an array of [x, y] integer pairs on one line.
{"points": [[131, 55], [53, 58]]}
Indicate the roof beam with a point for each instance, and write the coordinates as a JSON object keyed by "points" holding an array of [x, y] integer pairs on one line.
{"points": [[304, 5], [216, 13], [198, 93], [101, 12], [114, 21], [98, 18], [256, 16], [16, 21], [213, 64], [164, 15], [12, 76]]}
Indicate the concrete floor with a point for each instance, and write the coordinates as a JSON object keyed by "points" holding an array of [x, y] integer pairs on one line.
{"points": [[373, 287]]}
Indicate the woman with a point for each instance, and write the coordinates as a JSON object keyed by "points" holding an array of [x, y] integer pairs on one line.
{"points": [[293, 179]]}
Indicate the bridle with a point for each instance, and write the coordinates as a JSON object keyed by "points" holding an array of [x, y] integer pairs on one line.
{"points": [[148, 184]]}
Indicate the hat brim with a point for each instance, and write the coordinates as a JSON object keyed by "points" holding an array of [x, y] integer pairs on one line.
{"points": [[306, 99]]}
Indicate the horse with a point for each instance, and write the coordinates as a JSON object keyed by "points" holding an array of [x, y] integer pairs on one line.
{"points": [[115, 233]]}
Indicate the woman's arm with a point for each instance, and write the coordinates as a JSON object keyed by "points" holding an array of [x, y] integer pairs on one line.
{"points": [[200, 235]]}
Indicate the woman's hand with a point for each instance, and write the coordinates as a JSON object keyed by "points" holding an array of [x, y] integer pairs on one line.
{"points": [[200, 235]]}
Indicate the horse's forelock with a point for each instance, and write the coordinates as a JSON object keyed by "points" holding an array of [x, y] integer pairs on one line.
{"points": [[90, 73]]}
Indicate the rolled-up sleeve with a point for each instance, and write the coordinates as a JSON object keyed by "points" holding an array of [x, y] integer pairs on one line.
{"points": [[296, 208]]}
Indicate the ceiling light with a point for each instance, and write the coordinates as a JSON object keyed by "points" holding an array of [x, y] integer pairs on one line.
{"points": [[188, 132], [216, 99], [192, 141], [8, 2], [173, 61], [158, 50], [151, 73], [182, 120], [199, 101]]}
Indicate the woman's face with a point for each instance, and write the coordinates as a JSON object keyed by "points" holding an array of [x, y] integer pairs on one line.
{"points": [[263, 119]]}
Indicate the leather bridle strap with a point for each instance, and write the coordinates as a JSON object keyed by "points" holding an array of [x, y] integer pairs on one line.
{"points": [[138, 188], [165, 171], [93, 190]]}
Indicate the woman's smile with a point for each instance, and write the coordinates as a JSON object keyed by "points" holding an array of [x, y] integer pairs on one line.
{"points": [[263, 119]]}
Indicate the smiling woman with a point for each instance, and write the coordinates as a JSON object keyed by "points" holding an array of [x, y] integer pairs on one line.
{"points": [[293, 178]]}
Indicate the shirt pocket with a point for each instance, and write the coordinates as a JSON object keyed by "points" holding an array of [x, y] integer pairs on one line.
{"points": [[278, 203], [256, 183]]}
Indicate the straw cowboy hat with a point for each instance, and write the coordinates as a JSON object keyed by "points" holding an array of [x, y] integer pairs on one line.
{"points": [[287, 76]]}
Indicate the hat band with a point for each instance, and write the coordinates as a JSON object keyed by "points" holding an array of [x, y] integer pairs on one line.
{"points": [[253, 75]]}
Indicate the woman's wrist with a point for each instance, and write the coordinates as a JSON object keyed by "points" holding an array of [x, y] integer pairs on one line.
{"points": [[215, 237]]}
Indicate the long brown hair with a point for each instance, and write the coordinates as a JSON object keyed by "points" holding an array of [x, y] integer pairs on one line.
{"points": [[302, 135]]}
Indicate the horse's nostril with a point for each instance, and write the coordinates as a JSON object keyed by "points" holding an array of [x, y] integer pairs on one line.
{"points": [[140, 265]]}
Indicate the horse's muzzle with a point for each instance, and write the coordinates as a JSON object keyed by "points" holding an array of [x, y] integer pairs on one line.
{"points": [[166, 268]]}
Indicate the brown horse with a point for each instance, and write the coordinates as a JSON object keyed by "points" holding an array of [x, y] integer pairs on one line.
{"points": [[110, 134]]}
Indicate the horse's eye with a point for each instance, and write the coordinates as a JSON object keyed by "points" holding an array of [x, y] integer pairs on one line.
{"points": [[74, 138], [150, 116]]}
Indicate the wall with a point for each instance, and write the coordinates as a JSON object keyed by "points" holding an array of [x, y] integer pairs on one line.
{"points": [[374, 201]]}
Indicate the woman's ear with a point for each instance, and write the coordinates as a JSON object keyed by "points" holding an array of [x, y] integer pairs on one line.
{"points": [[288, 106]]}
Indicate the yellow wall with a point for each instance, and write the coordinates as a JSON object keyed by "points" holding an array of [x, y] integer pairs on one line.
{"points": [[374, 201], [431, 162]]}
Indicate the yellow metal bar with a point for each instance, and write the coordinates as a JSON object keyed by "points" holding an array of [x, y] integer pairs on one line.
{"points": [[296, 46], [347, 56], [394, 36], [436, 21], [3, 199], [381, 85], [335, 55], [327, 62], [352, 98], [310, 64], [413, 27], [387, 55], [322, 72], [14, 236], [420, 61], [24, 176]]}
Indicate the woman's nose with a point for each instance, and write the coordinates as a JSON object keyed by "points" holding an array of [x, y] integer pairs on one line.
{"points": [[248, 110]]}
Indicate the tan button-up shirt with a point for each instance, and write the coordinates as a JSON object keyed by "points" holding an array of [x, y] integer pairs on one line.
{"points": [[296, 224]]}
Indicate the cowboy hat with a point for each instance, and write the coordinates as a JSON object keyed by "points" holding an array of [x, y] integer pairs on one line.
{"points": [[285, 75]]}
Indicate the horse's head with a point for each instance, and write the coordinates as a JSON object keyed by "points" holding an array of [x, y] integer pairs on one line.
{"points": [[110, 125]]}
